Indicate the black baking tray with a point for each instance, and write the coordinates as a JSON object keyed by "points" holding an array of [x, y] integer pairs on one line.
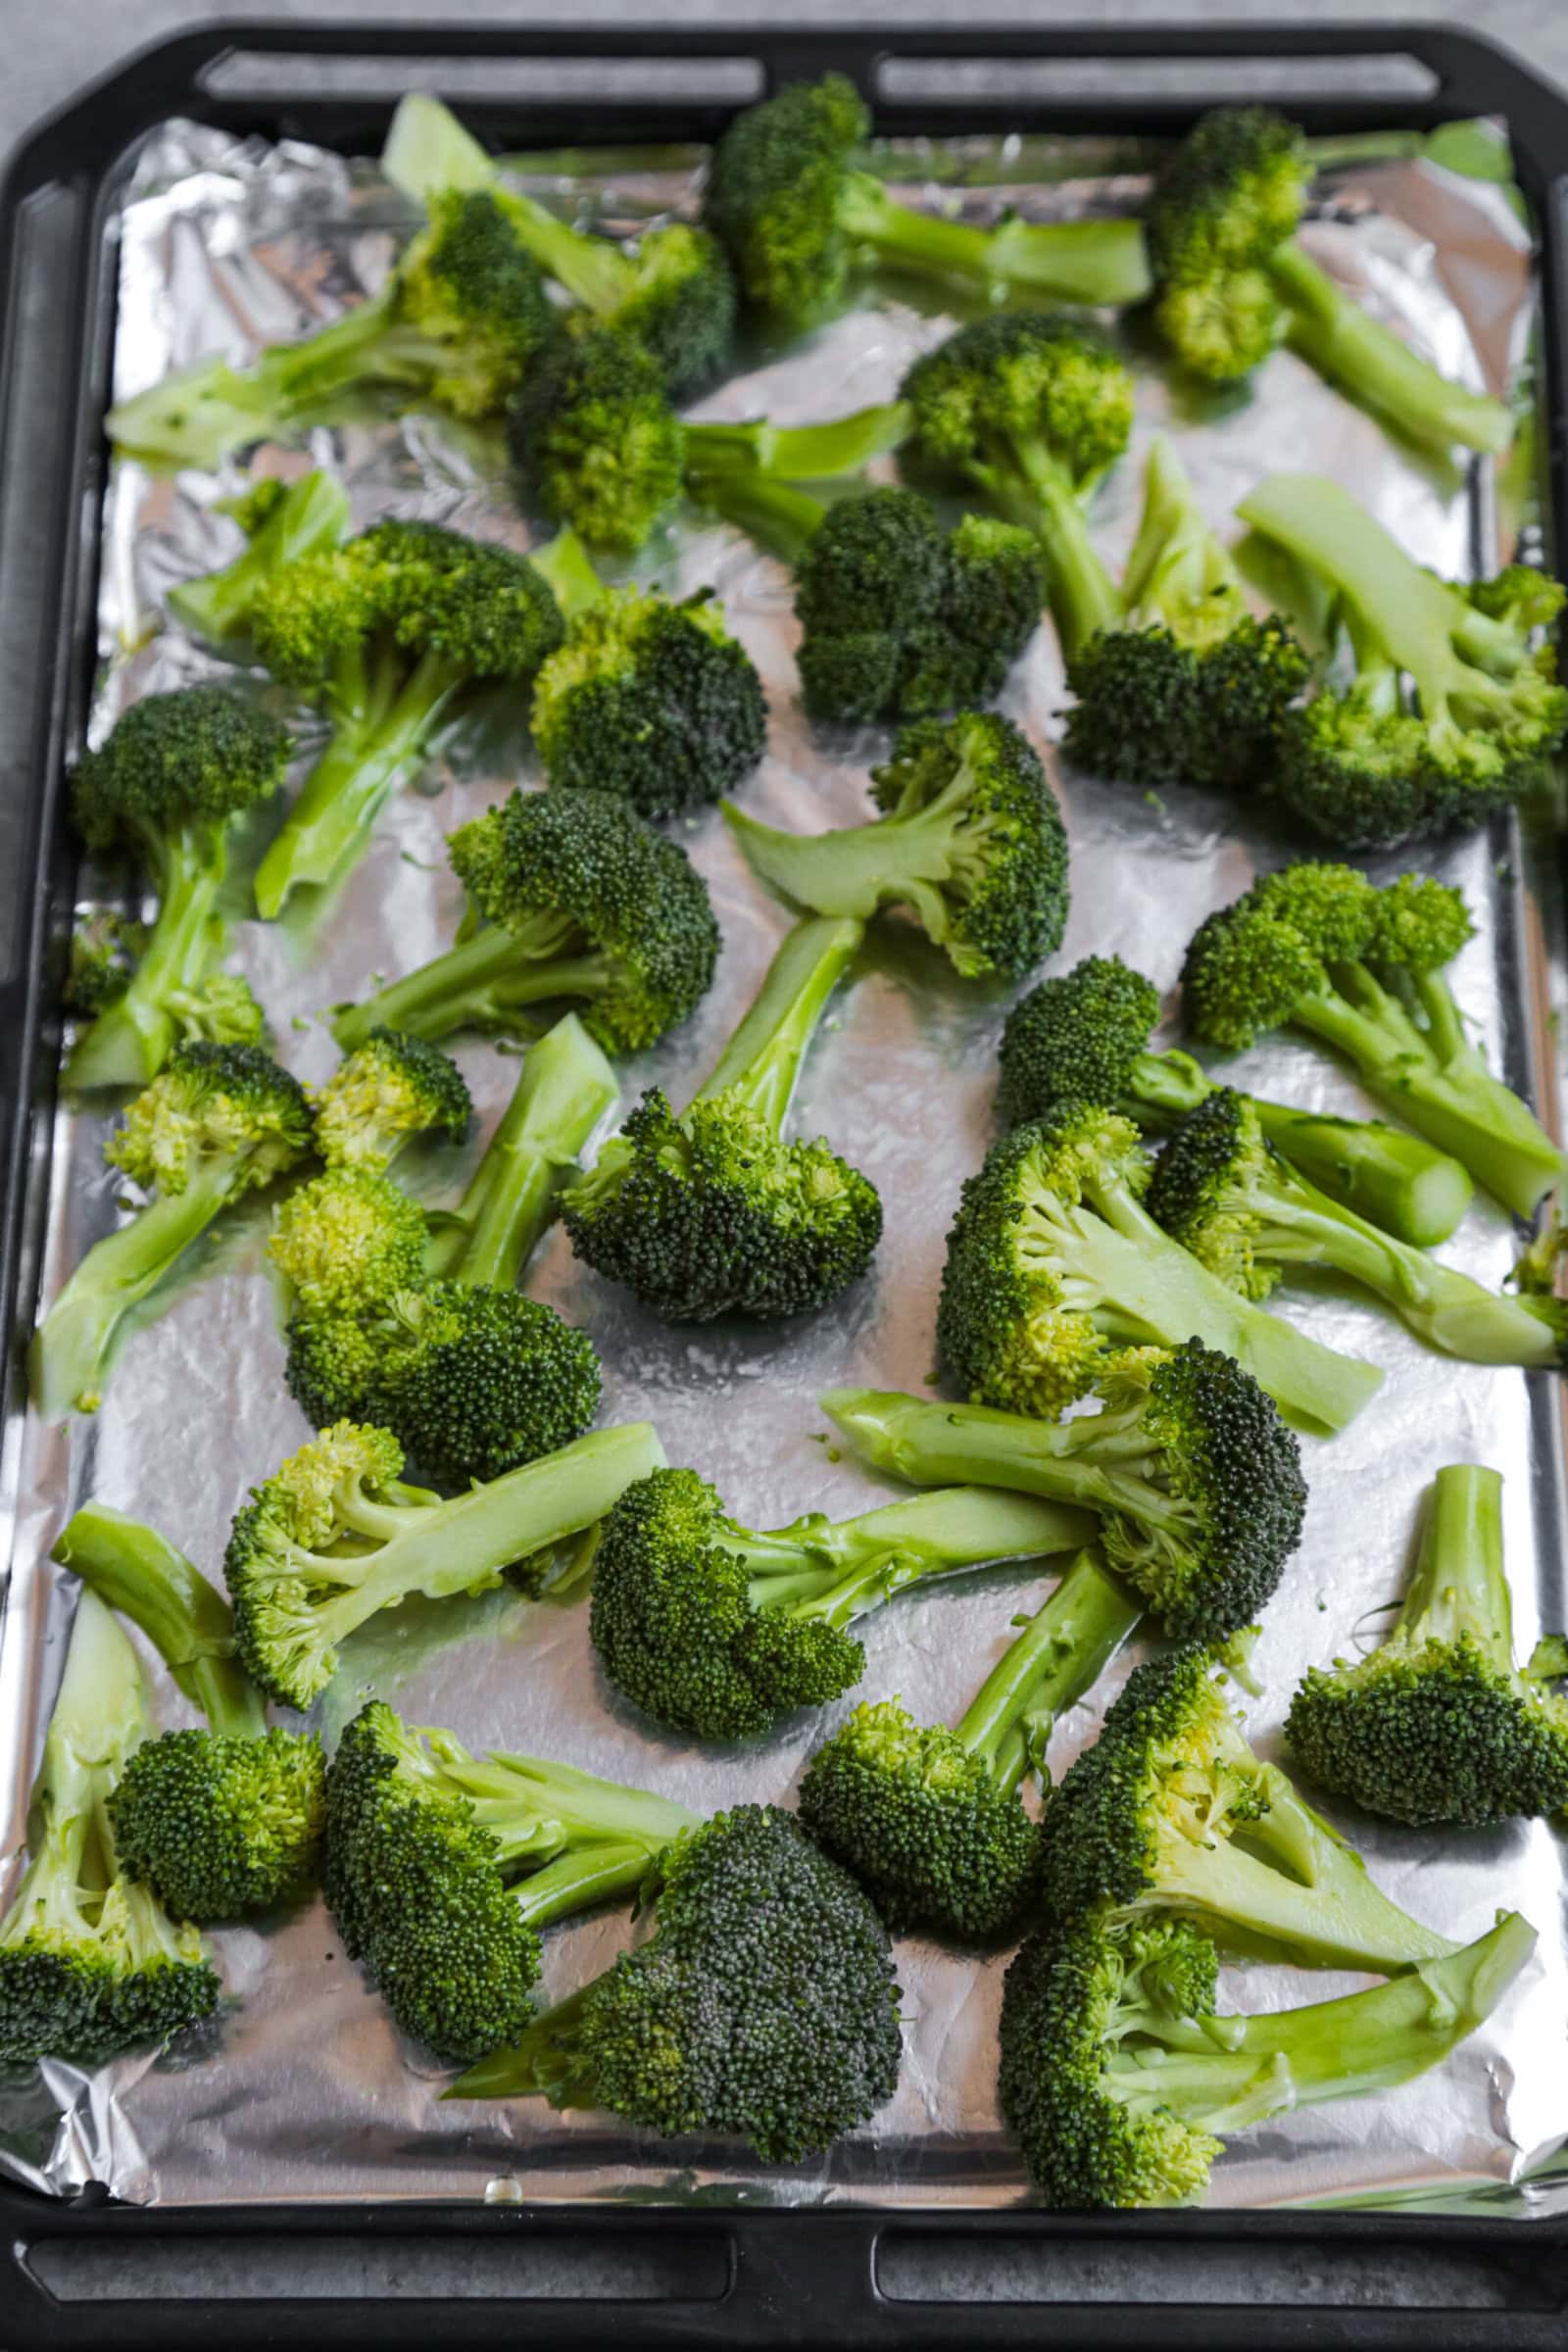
{"points": [[672, 2275]]}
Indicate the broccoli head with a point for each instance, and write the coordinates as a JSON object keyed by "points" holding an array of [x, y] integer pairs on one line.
{"points": [[219, 1826], [347, 1241], [594, 441], [387, 1091]]}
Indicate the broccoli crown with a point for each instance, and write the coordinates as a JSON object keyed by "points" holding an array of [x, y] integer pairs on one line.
{"points": [[651, 699], [1232, 190], [1210, 1192], [1221, 328], [1355, 772], [1020, 379], [333, 1364], [470, 288], [220, 1011], [594, 441], [475, 1382], [621, 892], [194, 756], [679, 306], [921, 1821], [388, 1090], [675, 1625], [1153, 704], [348, 1240], [105, 950], [1075, 1039], [213, 1102], [709, 1213], [774, 188], [765, 2004], [220, 1827], [995, 591]]}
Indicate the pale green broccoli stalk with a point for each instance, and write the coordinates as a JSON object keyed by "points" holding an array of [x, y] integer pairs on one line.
{"points": [[284, 522]]}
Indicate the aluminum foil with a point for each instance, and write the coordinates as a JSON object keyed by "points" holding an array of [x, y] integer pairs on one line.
{"points": [[301, 2089]]}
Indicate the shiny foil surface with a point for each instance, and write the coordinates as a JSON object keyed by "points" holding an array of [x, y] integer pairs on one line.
{"points": [[300, 2089]]}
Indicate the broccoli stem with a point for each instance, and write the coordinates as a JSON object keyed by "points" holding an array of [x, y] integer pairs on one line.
{"points": [[894, 861], [195, 418], [548, 2062], [309, 520], [798, 453], [71, 1347], [1082, 596], [1397, 1181], [482, 984], [562, 564], [761, 1063], [1062, 1652], [1379, 371], [1460, 1589], [138, 1572], [131, 1039], [1102, 263], [534, 1807], [593, 271], [777, 515]]}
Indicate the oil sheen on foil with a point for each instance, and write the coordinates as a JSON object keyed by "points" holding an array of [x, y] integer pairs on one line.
{"points": [[300, 2088]]}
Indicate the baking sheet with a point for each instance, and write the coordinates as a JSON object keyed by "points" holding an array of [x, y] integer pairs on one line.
{"points": [[300, 2089]]}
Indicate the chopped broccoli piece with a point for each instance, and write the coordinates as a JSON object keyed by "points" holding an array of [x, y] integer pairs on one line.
{"points": [[1439, 1726], [222, 1011], [283, 523], [763, 2005], [710, 1212], [390, 1088], [348, 1240], [971, 842], [106, 948]]}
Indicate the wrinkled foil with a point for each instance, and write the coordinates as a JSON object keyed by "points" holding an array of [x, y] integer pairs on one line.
{"points": [[301, 2089]]}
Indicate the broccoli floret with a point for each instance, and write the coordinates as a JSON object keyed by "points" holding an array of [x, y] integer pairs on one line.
{"points": [[170, 785], [972, 843], [1120, 2083], [1361, 969], [1055, 1265], [1083, 1036], [710, 1212], [1197, 1480], [717, 1628], [219, 1122], [282, 523], [1171, 1812], [333, 1537], [1450, 714], [1190, 687], [763, 2005], [348, 1240], [652, 701], [386, 1092], [89, 1962], [442, 1867], [1031, 410], [930, 1820], [397, 632], [1224, 1195], [572, 895], [1232, 280], [1439, 1726], [796, 212], [106, 948]]}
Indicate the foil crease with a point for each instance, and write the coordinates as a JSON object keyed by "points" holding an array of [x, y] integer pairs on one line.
{"points": [[300, 2089]]}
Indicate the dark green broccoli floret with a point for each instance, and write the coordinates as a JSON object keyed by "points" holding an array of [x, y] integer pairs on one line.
{"points": [[442, 1867], [794, 212], [333, 1537], [715, 1629], [1439, 1725], [220, 1121], [1120, 2083], [220, 1828], [1190, 688], [390, 1088], [1055, 1265], [1083, 1036], [972, 843], [763, 2005], [1222, 1192], [1319, 948], [1197, 1480], [930, 1819], [1449, 712], [710, 1212], [347, 1241], [169, 786], [595, 442], [1232, 280], [652, 701], [572, 895], [106, 948]]}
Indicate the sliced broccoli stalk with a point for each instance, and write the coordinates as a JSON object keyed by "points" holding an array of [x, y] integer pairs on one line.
{"points": [[282, 523], [795, 453], [779, 516], [1438, 1725], [1099, 262]]}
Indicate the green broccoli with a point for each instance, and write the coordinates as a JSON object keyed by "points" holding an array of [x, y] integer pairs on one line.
{"points": [[442, 1867], [571, 896], [929, 1819], [1055, 1264], [1188, 687], [171, 784], [971, 842], [89, 1962], [1438, 1725], [220, 1823], [219, 1122], [1197, 1480], [710, 1212], [796, 212], [333, 1537], [1120, 2081], [106, 948], [764, 2005], [348, 1240], [1083, 1036], [1319, 948], [1232, 279], [389, 1090], [716, 1629], [1451, 713], [283, 523], [1220, 1192]]}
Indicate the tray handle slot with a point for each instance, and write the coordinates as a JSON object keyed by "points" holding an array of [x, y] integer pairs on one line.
{"points": [[979, 79], [610, 75]]}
